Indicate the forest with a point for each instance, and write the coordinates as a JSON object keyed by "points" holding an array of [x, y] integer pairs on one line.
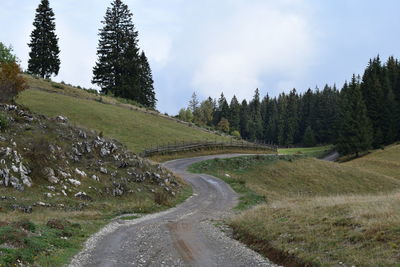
{"points": [[363, 114]]}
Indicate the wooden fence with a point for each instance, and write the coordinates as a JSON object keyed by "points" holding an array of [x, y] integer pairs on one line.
{"points": [[203, 145]]}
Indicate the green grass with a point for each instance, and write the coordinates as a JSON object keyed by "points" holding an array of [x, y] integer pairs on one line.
{"points": [[129, 218], [318, 213], [316, 152], [248, 197], [136, 129]]}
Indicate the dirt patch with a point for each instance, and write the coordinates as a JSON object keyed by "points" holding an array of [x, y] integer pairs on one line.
{"points": [[275, 255]]}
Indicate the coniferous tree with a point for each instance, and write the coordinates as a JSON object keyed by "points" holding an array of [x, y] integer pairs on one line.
{"points": [[354, 134], [44, 56], [117, 69], [309, 137], [147, 94], [244, 120], [234, 118], [255, 122]]}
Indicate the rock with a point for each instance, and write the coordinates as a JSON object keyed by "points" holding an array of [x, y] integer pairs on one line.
{"points": [[51, 188], [82, 134], [123, 165], [74, 182], [83, 196], [227, 175], [103, 170], [64, 174], [26, 209], [64, 193], [117, 192], [26, 180], [96, 178], [81, 173], [62, 119], [14, 168], [42, 204], [49, 173], [104, 152], [48, 195]]}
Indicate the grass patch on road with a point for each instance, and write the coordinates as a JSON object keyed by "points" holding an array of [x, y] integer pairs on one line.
{"points": [[318, 213]]}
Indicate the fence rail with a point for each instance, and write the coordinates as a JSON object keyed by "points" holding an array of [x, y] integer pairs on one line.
{"points": [[199, 145]]}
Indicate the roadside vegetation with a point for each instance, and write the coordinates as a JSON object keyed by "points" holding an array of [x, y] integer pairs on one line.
{"points": [[316, 152], [318, 213]]}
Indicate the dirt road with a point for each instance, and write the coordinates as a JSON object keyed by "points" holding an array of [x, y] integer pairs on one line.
{"points": [[182, 236]]}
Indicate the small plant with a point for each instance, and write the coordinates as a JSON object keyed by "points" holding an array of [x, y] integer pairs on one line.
{"points": [[4, 122], [161, 198], [11, 82], [56, 85]]}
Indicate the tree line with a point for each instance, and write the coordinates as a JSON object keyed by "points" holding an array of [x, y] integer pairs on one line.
{"points": [[121, 70], [364, 114]]}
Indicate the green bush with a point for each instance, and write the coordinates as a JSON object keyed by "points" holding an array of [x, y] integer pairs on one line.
{"points": [[4, 122]]}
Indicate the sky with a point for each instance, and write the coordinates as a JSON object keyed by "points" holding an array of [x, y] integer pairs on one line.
{"points": [[229, 46]]}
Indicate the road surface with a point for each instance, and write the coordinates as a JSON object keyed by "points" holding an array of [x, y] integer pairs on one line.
{"points": [[182, 236]]}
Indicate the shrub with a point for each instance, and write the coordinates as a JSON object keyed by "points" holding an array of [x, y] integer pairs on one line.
{"points": [[11, 82], [4, 122], [161, 198], [56, 85], [6, 55], [236, 134]]}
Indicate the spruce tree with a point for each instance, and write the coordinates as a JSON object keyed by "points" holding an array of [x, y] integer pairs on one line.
{"points": [[147, 94], [234, 118], [44, 56], [117, 67], [309, 137], [354, 134]]}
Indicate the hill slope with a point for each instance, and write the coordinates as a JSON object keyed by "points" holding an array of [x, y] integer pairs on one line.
{"points": [[320, 213], [59, 183], [135, 127]]}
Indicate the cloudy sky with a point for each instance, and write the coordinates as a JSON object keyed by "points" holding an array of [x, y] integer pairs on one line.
{"points": [[230, 46]]}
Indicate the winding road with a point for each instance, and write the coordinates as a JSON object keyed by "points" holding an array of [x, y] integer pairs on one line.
{"points": [[182, 236]]}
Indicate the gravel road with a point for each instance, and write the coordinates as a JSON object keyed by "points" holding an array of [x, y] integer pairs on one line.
{"points": [[182, 236]]}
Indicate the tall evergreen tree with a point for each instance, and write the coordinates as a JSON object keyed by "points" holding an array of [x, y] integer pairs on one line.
{"points": [[44, 56], [234, 118], [244, 120], [354, 134], [118, 66], [147, 94], [255, 122]]}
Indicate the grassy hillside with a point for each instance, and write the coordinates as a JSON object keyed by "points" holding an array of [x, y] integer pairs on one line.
{"points": [[384, 162], [319, 213], [136, 128]]}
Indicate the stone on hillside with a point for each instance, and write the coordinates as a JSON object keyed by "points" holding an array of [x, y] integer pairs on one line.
{"points": [[64, 174], [26, 180], [64, 193], [104, 152], [62, 119], [83, 196], [79, 172], [96, 178], [103, 170], [74, 182], [50, 175], [82, 134], [48, 195]]}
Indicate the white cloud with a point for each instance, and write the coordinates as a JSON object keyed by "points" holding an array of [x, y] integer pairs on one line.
{"points": [[258, 39]]}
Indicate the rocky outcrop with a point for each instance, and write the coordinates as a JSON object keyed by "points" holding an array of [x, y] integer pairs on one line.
{"points": [[68, 162]]}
